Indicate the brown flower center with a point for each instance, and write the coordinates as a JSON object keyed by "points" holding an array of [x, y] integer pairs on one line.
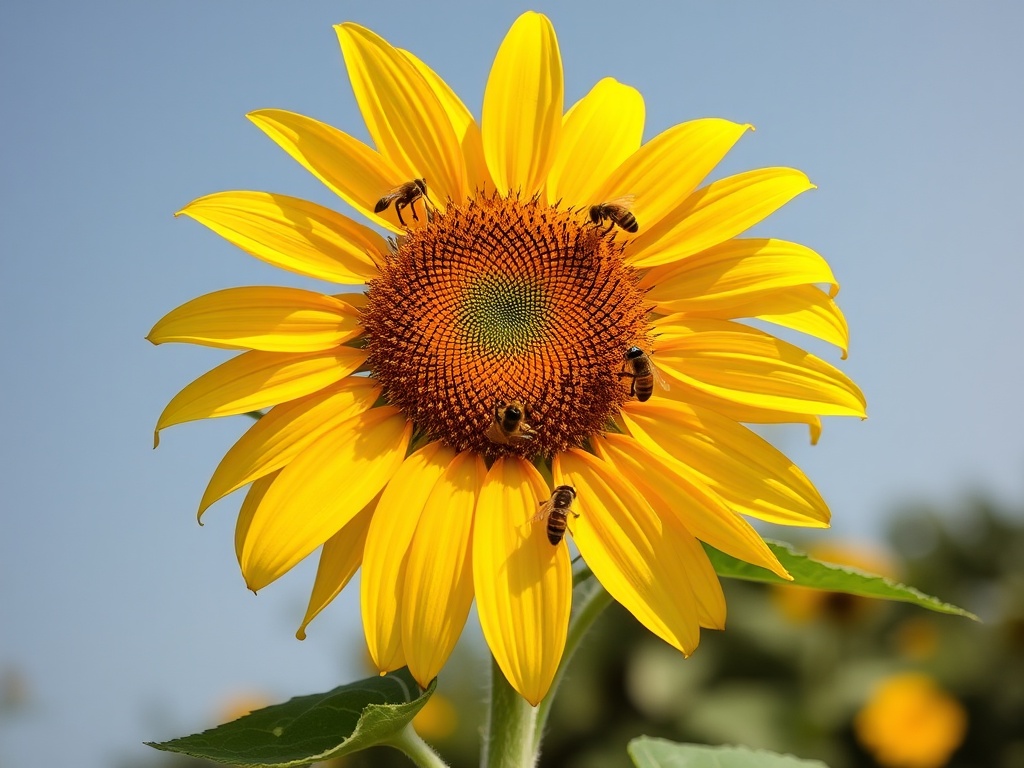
{"points": [[502, 301]]}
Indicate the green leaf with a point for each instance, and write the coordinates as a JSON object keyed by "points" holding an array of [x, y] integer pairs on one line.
{"points": [[659, 753], [816, 574], [307, 729]]}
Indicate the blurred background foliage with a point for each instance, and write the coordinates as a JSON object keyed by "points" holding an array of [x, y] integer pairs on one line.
{"points": [[850, 681]]}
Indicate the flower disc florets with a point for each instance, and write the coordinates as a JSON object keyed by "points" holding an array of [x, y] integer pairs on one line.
{"points": [[502, 300]]}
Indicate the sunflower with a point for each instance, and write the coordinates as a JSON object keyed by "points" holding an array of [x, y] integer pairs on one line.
{"points": [[546, 268]]}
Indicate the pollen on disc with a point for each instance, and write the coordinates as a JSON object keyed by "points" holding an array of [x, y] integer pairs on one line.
{"points": [[505, 300]]}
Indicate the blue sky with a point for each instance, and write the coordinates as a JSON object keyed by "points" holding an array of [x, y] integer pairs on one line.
{"points": [[130, 622]]}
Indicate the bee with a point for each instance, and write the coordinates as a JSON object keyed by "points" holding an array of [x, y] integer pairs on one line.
{"points": [[557, 510], [642, 373], [508, 426], [405, 195], [617, 212]]}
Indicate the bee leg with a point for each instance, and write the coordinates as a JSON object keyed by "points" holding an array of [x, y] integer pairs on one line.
{"points": [[632, 384], [398, 209]]}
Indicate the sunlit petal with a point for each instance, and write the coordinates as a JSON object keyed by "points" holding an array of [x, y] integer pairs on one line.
{"points": [[632, 552], [255, 380], [402, 113], [339, 561], [600, 131], [747, 367], [746, 471], [715, 213], [285, 431], [353, 171], [387, 544], [293, 234], [439, 569], [261, 317], [321, 490], [523, 584], [522, 113]]}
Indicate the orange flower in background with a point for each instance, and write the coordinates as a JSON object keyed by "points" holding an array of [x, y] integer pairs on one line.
{"points": [[548, 268], [910, 722]]}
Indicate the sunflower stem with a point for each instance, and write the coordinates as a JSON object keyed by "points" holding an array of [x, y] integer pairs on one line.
{"points": [[590, 600], [511, 737], [416, 749]]}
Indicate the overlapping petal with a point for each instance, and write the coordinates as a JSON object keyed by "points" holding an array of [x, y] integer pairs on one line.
{"points": [[739, 365], [467, 131], [733, 272], [715, 213], [254, 380], [674, 489], [339, 561], [803, 308], [439, 568], [403, 115], [353, 171], [285, 431], [261, 317], [387, 544], [293, 234], [523, 584], [522, 112], [665, 170], [748, 473], [322, 489], [599, 132], [251, 502], [634, 553]]}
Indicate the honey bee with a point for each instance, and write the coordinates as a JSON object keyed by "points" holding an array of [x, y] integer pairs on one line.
{"points": [[557, 510], [642, 373], [508, 426], [617, 212], [405, 195]]}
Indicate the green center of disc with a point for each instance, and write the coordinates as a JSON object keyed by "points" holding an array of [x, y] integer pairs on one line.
{"points": [[503, 315]]}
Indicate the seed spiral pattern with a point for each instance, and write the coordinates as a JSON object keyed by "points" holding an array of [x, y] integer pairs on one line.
{"points": [[502, 300]]}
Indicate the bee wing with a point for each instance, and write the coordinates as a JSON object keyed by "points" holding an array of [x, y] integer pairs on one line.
{"points": [[386, 200], [626, 201], [659, 379], [545, 510]]}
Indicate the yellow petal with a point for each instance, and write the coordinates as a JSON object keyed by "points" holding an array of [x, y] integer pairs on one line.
{"points": [[285, 432], [439, 570], [747, 472], [293, 234], [523, 584], [662, 172], [803, 308], [673, 489], [522, 113], [467, 131], [321, 490], [254, 380], [387, 544], [261, 317], [730, 273], [339, 560], [404, 117], [353, 171], [600, 131], [715, 213], [251, 502], [744, 366], [632, 552]]}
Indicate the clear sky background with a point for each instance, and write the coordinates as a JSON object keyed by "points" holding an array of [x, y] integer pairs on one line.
{"points": [[126, 620]]}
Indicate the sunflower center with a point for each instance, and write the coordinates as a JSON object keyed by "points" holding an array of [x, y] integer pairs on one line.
{"points": [[501, 327]]}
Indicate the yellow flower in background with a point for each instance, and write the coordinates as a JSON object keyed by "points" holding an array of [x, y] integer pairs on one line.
{"points": [[503, 347], [803, 604], [910, 722]]}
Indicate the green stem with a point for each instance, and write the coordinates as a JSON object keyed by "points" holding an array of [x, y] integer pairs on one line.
{"points": [[511, 737], [416, 749]]}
